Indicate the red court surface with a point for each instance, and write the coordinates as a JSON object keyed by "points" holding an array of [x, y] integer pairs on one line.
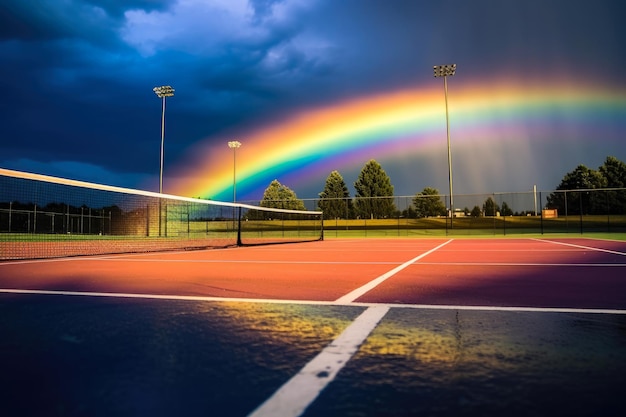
{"points": [[519, 273], [575, 273], [321, 271]]}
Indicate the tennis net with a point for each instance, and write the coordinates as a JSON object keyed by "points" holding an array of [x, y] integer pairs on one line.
{"points": [[45, 217]]}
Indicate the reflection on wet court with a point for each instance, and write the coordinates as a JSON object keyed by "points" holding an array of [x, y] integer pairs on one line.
{"points": [[103, 357], [64, 355], [476, 363]]}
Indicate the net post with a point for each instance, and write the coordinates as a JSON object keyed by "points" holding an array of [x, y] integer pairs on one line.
{"points": [[165, 219], [322, 222], [580, 204], [541, 212], [239, 243]]}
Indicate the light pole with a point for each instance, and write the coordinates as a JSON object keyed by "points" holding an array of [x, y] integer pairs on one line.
{"points": [[234, 145], [162, 92], [446, 71]]}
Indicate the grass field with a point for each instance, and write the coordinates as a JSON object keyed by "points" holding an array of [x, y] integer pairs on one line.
{"points": [[603, 226], [362, 227], [476, 226]]}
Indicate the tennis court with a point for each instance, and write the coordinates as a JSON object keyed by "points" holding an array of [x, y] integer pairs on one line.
{"points": [[341, 327]]}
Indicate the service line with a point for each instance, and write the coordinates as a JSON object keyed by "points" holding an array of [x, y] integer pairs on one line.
{"points": [[353, 295]]}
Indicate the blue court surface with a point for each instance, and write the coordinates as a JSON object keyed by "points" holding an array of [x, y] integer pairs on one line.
{"points": [[70, 355]]}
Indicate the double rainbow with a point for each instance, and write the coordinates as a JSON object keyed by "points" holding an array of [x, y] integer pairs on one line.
{"points": [[310, 144]]}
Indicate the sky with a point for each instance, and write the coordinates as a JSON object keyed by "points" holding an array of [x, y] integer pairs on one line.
{"points": [[311, 86]]}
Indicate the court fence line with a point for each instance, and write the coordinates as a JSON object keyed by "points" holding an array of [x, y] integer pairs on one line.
{"points": [[500, 213]]}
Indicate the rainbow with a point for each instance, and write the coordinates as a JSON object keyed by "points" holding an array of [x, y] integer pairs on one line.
{"points": [[307, 145]]}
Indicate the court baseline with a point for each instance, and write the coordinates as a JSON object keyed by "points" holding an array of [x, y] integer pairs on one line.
{"points": [[311, 302], [353, 295]]}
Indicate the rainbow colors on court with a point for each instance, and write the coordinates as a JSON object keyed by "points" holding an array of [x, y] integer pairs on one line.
{"points": [[310, 143]]}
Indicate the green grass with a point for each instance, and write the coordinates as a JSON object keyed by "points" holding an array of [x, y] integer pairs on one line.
{"points": [[605, 227], [613, 227], [457, 235]]}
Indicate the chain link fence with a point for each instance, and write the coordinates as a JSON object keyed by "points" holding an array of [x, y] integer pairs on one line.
{"points": [[540, 212]]}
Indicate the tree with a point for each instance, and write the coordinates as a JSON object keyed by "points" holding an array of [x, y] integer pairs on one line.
{"points": [[490, 207], [409, 212], [582, 178], [335, 199], [506, 210], [476, 212], [614, 172], [372, 186], [281, 196], [428, 203]]}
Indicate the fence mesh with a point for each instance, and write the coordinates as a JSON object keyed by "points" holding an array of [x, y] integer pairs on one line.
{"points": [[558, 211]]}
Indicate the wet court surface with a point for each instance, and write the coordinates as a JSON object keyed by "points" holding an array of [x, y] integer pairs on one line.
{"points": [[94, 356]]}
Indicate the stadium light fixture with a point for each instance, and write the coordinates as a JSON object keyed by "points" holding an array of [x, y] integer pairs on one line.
{"points": [[162, 92], [234, 145], [446, 71]]}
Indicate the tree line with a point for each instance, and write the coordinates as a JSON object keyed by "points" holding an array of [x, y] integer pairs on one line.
{"points": [[373, 198], [577, 192], [374, 195]]}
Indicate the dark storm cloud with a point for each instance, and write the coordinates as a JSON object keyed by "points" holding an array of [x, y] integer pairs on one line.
{"points": [[62, 72], [538, 37], [49, 20], [77, 75], [117, 8]]}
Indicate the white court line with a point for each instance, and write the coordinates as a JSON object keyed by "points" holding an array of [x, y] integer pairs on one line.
{"points": [[38, 261], [353, 295], [191, 261], [301, 390], [243, 261], [171, 297], [206, 261], [582, 247], [517, 264]]}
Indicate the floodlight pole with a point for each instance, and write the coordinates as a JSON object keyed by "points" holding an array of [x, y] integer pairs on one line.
{"points": [[445, 71], [234, 145], [162, 92]]}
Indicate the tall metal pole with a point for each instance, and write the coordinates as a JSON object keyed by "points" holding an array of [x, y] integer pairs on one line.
{"points": [[162, 143], [445, 71], [234, 145], [162, 92], [445, 87]]}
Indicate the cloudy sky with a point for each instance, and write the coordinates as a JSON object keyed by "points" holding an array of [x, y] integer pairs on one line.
{"points": [[539, 89]]}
